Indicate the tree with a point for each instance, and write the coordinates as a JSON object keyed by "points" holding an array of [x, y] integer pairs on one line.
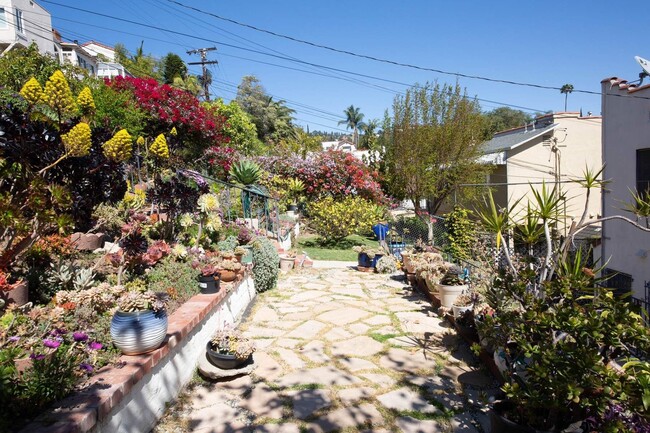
{"points": [[353, 120], [140, 65], [238, 127], [503, 118], [432, 144], [566, 89], [273, 119], [190, 84], [173, 66], [301, 142], [369, 133]]}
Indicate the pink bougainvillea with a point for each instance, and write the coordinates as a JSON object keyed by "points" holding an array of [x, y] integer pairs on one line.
{"points": [[172, 107], [334, 173]]}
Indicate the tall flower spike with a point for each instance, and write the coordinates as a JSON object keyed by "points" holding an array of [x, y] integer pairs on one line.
{"points": [[119, 147], [159, 147], [140, 141], [173, 131], [85, 101], [77, 141], [32, 91], [57, 94]]}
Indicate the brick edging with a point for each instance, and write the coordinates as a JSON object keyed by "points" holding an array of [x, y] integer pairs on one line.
{"points": [[83, 410]]}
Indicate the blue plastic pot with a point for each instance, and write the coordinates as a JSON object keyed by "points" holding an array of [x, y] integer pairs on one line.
{"points": [[364, 260]]}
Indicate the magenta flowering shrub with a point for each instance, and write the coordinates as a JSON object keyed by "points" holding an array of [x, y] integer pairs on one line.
{"points": [[331, 173], [168, 107]]}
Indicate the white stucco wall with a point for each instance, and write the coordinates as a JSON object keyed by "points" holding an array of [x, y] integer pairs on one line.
{"points": [[146, 403], [37, 24], [626, 128]]}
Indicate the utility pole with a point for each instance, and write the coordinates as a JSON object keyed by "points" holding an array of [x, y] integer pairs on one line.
{"points": [[204, 61]]}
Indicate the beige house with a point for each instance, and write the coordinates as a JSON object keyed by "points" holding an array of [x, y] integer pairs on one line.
{"points": [[626, 151], [555, 149]]}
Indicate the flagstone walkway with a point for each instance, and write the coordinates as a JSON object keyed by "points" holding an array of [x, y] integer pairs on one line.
{"points": [[341, 350]]}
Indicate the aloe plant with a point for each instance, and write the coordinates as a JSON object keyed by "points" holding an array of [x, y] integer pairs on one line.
{"points": [[246, 172]]}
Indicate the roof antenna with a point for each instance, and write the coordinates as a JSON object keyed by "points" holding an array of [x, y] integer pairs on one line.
{"points": [[645, 65]]}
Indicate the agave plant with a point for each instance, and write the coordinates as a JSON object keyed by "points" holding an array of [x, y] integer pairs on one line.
{"points": [[245, 172]]}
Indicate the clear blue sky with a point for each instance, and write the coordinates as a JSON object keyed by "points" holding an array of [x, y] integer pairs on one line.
{"points": [[550, 43]]}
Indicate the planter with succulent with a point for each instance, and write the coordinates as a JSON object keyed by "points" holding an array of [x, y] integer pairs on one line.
{"points": [[451, 286], [229, 349], [407, 261], [367, 256], [294, 189], [209, 280], [241, 252], [287, 261], [140, 323], [463, 305], [228, 270], [16, 293], [386, 265]]}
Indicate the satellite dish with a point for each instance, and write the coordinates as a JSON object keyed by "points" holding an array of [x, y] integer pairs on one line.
{"points": [[645, 65]]}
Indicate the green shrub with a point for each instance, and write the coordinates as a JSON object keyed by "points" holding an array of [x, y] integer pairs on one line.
{"points": [[333, 219], [461, 233], [170, 273], [266, 264]]}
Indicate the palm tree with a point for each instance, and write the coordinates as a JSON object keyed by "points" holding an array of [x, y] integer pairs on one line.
{"points": [[353, 120], [566, 89], [369, 129]]}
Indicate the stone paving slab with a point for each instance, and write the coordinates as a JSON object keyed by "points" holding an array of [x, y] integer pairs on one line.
{"points": [[319, 369]]}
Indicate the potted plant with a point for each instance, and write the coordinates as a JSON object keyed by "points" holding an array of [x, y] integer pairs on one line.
{"points": [[229, 349], [140, 323], [294, 189], [407, 261], [386, 265], [13, 293], [287, 261], [240, 252], [228, 270], [209, 280], [451, 285], [464, 305]]}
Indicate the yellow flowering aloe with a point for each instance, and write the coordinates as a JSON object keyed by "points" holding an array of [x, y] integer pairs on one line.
{"points": [[85, 101], [159, 147], [140, 141], [173, 131], [77, 140], [57, 94], [119, 147], [32, 91]]}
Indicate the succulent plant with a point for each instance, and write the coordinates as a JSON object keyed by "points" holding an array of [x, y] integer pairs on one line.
{"points": [[77, 141], [240, 251], [32, 91], [85, 101], [84, 279], [119, 147], [386, 265], [159, 148], [229, 341], [58, 96], [230, 265], [133, 301], [246, 172]]}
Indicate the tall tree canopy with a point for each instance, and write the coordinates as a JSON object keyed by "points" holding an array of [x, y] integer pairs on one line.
{"points": [[273, 119], [173, 66], [503, 118], [353, 120], [369, 137], [432, 144]]}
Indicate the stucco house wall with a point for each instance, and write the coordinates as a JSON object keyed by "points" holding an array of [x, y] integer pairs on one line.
{"points": [[626, 128], [36, 25]]}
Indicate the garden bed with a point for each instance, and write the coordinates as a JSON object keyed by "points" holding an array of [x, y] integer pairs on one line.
{"points": [[133, 395]]}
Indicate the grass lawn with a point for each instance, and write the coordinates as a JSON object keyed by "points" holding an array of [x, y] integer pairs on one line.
{"points": [[342, 251]]}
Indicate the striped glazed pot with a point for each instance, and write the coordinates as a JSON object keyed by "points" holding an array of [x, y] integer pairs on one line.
{"points": [[138, 332]]}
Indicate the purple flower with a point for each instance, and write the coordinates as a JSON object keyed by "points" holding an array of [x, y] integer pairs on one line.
{"points": [[51, 343], [14, 338], [86, 367], [37, 357], [95, 345], [79, 336]]}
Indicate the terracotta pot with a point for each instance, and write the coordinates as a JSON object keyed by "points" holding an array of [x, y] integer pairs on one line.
{"points": [[448, 294], [409, 267], [227, 276], [19, 295]]}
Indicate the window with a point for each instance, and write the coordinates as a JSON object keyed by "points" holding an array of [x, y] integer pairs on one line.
{"points": [[643, 171], [3, 19], [20, 28]]}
